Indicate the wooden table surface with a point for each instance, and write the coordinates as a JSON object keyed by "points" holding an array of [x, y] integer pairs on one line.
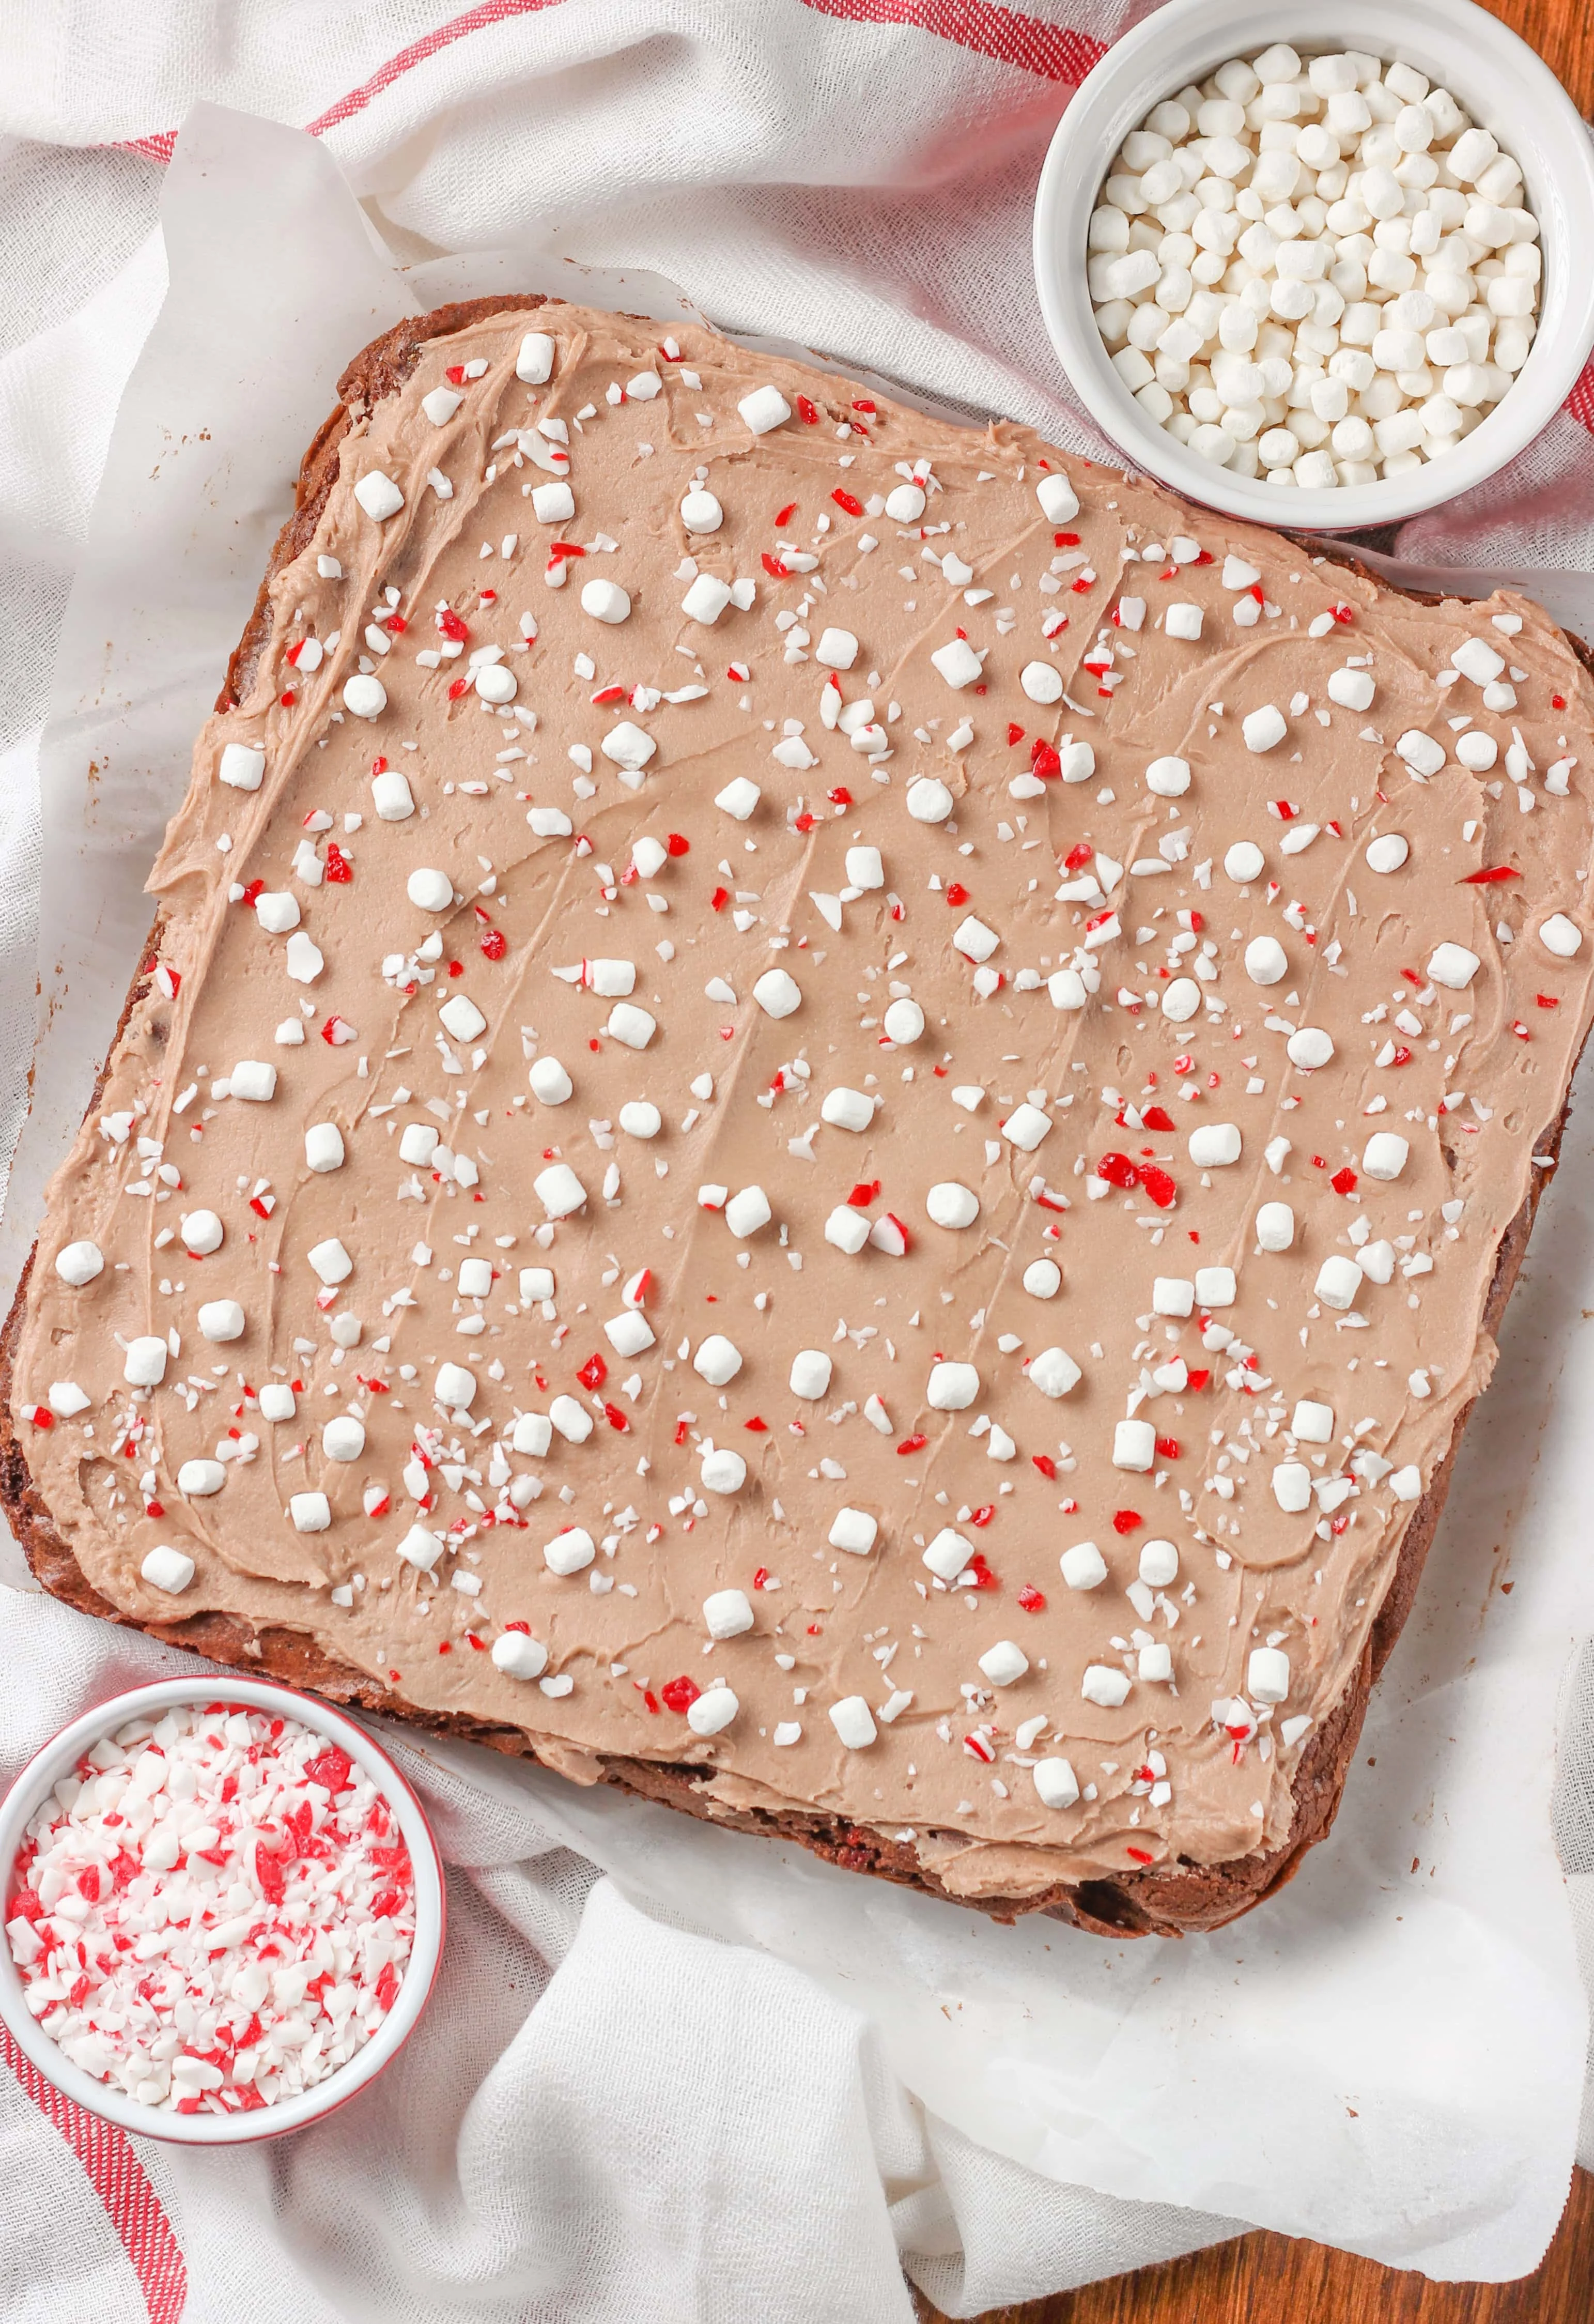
{"points": [[1267, 2279]]}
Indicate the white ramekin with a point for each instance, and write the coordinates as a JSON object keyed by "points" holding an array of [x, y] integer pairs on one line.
{"points": [[1493, 75], [61, 1754]]}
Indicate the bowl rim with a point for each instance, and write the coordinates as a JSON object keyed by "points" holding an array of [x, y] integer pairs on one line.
{"points": [[1474, 44], [59, 1754]]}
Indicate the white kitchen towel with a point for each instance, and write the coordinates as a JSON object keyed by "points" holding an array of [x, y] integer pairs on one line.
{"points": [[684, 2124]]}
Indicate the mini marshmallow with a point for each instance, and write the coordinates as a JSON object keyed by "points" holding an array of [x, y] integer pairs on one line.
{"points": [[747, 1211], [1043, 1279], [1387, 853], [392, 796], [454, 1386], [1353, 690], [847, 1229], [418, 1142], [950, 1205], [1172, 1295], [1561, 935], [1292, 1487], [1214, 1287], [846, 1109], [144, 1363], [903, 1022], [727, 1613], [1104, 1685], [1312, 1423], [1182, 620], [1276, 1226], [533, 1434], [1310, 1047], [517, 1656], [1385, 1155], [701, 512], [1339, 1279], [330, 1261], [864, 868], [722, 1471], [1453, 966], [1214, 1145], [1420, 752], [1168, 777], [837, 650], [552, 503], [550, 1082], [570, 1551], [1265, 728], [717, 1360], [1159, 1565], [241, 769], [706, 599], [1244, 861], [630, 1026], [1059, 503], [1181, 999], [1472, 657], [929, 800], [951, 1388], [474, 1278], [200, 1478], [221, 1320], [365, 697], [168, 1569], [764, 409], [496, 682], [713, 1711], [778, 993], [79, 1263], [429, 891], [1026, 1127], [854, 1530], [853, 1722], [344, 1437], [1134, 1444], [1041, 682], [606, 601], [1083, 1567], [1005, 1664], [811, 1370], [1267, 1674], [253, 1080], [310, 1512], [535, 362], [1056, 1784], [1265, 959], [323, 1146], [904, 504], [277, 1401], [629, 1334]]}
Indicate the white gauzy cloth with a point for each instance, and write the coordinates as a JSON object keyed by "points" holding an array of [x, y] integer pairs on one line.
{"points": [[669, 2073]]}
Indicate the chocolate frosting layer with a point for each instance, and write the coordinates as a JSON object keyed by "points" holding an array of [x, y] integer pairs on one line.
{"points": [[1119, 760]]}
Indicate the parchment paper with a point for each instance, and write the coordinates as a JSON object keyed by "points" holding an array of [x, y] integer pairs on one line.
{"points": [[1388, 2057]]}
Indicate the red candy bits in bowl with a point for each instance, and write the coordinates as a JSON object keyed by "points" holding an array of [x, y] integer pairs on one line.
{"points": [[223, 1910]]}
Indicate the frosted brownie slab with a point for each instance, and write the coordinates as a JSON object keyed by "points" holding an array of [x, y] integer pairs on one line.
{"points": [[827, 1115]]}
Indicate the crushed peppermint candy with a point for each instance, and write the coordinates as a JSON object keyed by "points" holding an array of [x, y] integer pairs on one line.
{"points": [[214, 1912]]}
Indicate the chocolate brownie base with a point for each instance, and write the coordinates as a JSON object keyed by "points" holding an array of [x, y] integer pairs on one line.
{"points": [[1160, 1902]]}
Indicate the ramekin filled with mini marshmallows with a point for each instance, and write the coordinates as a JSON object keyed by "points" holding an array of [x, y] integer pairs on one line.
{"points": [[223, 1910], [1321, 285]]}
